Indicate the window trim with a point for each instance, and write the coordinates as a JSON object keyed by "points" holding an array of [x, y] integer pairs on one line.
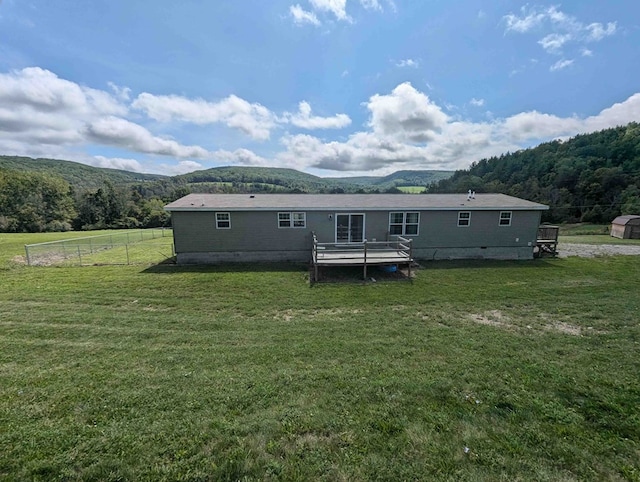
{"points": [[467, 219], [403, 225], [509, 218], [291, 222], [219, 221]]}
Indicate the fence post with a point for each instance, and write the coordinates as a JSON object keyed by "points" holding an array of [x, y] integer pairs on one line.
{"points": [[26, 248], [126, 247], [79, 255]]}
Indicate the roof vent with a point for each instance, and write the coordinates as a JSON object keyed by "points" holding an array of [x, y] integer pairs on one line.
{"points": [[252, 196]]}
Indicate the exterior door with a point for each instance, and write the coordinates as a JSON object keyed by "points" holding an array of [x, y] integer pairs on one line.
{"points": [[349, 228]]}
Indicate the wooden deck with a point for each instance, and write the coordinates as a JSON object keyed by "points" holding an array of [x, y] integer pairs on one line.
{"points": [[368, 253], [547, 241]]}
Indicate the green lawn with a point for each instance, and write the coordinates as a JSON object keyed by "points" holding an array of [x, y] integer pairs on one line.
{"points": [[474, 371]]}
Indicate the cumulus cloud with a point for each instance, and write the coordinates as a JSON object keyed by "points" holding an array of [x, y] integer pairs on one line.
{"points": [[305, 120], [390, 144], [42, 91], [301, 16], [406, 114], [122, 133], [182, 167], [116, 163], [39, 108], [254, 120]]}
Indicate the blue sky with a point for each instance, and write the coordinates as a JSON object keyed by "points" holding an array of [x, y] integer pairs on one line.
{"points": [[329, 87]]}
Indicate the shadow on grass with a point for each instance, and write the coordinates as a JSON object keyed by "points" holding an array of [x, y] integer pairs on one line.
{"points": [[486, 263], [355, 274], [348, 274], [262, 267]]}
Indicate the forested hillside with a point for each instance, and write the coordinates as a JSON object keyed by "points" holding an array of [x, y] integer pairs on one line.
{"points": [[589, 178], [80, 176], [55, 195]]}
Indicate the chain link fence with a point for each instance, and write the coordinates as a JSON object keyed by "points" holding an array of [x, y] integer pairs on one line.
{"points": [[143, 246]]}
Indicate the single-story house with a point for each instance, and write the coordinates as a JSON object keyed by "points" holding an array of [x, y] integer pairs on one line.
{"points": [[212, 228], [626, 227]]}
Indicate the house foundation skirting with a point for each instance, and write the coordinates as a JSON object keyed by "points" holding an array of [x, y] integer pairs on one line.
{"points": [[304, 256], [244, 257], [525, 252]]}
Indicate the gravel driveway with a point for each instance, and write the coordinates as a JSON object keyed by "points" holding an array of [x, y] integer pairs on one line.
{"points": [[590, 250]]}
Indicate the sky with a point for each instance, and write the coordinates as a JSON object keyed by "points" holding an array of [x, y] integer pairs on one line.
{"points": [[328, 87]]}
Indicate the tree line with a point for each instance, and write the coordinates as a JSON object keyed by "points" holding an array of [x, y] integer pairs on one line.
{"points": [[36, 202], [589, 178]]}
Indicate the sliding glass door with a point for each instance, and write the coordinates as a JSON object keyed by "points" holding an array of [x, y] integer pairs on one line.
{"points": [[349, 228]]}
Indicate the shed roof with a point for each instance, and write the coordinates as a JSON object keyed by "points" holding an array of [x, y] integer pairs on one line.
{"points": [[623, 220], [351, 202]]}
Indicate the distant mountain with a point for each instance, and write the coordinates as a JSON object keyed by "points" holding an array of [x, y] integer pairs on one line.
{"points": [[218, 179], [80, 176], [397, 179]]}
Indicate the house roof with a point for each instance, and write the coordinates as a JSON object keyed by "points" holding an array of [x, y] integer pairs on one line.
{"points": [[350, 202], [623, 220]]}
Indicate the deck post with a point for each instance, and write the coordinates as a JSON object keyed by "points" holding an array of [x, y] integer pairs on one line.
{"points": [[410, 257], [314, 257], [365, 260]]}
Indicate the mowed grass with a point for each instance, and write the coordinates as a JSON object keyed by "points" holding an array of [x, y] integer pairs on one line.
{"points": [[473, 371]]}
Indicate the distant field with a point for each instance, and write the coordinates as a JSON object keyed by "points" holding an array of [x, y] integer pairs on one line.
{"points": [[476, 371], [582, 229], [412, 189]]}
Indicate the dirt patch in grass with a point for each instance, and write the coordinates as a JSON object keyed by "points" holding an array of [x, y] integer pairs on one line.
{"points": [[491, 318], [565, 328], [541, 323]]}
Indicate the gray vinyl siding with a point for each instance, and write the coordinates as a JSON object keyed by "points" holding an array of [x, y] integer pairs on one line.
{"points": [[251, 231]]}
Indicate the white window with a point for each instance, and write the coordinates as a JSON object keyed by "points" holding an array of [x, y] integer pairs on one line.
{"points": [[505, 218], [223, 221], [464, 218], [292, 220], [404, 224]]}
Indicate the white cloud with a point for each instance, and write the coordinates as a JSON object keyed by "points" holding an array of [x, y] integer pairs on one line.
{"points": [[371, 4], [117, 163], [301, 16], [408, 63], [553, 42], [305, 120], [182, 167], [562, 29], [525, 23], [122, 93], [243, 157], [477, 102], [254, 120], [560, 64], [337, 7], [39, 108], [586, 53], [455, 144], [405, 114], [122, 133], [598, 32]]}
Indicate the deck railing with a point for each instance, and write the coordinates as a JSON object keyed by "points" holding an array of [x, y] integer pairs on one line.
{"points": [[398, 249]]}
